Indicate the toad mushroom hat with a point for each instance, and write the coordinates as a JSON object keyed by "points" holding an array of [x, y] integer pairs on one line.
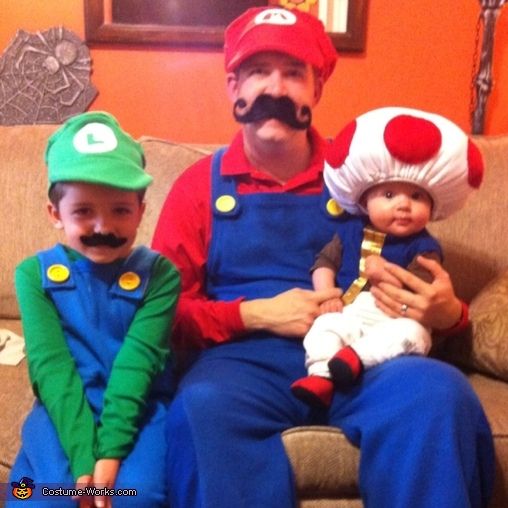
{"points": [[403, 145]]}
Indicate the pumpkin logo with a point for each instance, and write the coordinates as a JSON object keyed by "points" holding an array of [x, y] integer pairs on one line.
{"points": [[23, 489]]}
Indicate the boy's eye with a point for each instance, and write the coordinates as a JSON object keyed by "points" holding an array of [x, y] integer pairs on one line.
{"points": [[416, 196], [81, 212], [122, 210], [389, 194]]}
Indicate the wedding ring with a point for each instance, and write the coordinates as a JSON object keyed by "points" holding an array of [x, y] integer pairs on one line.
{"points": [[403, 309]]}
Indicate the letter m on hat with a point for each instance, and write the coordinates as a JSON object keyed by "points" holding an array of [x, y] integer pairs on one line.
{"points": [[275, 17]]}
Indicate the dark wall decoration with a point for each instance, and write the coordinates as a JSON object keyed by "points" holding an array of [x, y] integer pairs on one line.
{"points": [[483, 83], [44, 77], [201, 23], [181, 12]]}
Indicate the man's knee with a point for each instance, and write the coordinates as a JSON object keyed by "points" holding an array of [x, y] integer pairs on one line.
{"points": [[434, 382], [196, 402]]}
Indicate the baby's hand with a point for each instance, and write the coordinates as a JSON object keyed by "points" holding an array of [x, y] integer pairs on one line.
{"points": [[332, 305], [376, 272]]}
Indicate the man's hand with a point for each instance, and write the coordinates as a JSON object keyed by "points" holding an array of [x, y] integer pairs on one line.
{"points": [[432, 304], [289, 314]]}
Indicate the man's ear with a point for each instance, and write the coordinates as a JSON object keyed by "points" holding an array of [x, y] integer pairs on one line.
{"points": [[318, 87], [232, 86], [54, 216]]}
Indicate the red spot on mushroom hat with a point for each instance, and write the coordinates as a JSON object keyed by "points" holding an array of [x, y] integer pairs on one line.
{"points": [[403, 145]]}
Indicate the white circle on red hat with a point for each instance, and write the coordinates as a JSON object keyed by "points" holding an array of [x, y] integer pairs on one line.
{"points": [[275, 17], [95, 138]]}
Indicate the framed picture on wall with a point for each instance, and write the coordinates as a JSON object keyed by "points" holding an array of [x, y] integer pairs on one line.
{"points": [[202, 22]]}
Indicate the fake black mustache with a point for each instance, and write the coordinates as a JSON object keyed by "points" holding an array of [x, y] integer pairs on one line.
{"points": [[97, 240], [266, 106]]}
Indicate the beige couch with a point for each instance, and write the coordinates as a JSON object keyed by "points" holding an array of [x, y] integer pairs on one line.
{"points": [[325, 463]]}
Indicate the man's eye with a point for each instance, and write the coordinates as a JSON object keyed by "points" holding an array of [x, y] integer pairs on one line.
{"points": [[296, 73]]}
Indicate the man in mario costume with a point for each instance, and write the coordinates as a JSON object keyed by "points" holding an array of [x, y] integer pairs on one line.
{"points": [[243, 227]]}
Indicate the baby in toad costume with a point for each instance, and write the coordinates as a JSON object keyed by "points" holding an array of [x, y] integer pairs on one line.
{"points": [[393, 170]]}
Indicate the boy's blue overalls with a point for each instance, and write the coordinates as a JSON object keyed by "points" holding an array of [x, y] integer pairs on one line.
{"points": [[96, 314], [420, 428]]}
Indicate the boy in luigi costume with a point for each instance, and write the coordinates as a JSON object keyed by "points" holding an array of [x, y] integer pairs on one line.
{"points": [[96, 316]]}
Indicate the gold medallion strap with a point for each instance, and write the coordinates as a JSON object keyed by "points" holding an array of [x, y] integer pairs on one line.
{"points": [[372, 244]]}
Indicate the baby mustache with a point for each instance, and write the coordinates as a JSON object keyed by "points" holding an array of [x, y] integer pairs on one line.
{"points": [[266, 106], [98, 239]]}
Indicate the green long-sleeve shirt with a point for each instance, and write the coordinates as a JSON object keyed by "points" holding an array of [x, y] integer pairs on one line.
{"points": [[55, 378]]}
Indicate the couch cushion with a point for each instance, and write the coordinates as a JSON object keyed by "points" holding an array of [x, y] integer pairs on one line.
{"points": [[25, 225], [475, 256], [165, 161], [16, 400], [472, 238], [493, 395], [323, 460], [484, 345]]}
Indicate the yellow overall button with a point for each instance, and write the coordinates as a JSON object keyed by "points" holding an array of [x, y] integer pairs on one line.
{"points": [[129, 281], [333, 208], [225, 203], [58, 273]]}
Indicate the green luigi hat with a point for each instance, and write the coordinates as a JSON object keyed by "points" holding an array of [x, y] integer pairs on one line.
{"points": [[93, 148]]}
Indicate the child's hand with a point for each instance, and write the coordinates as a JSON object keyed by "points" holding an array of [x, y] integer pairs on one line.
{"points": [[81, 483], [104, 475], [331, 305], [375, 270]]}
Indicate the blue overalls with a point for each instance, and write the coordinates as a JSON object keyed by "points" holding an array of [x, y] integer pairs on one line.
{"points": [[96, 314], [423, 436]]}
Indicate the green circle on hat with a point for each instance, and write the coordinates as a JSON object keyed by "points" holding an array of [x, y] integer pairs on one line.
{"points": [[95, 137], [93, 148]]}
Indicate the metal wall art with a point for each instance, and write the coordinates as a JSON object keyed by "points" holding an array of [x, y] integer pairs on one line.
{"points": [[44, 77]]}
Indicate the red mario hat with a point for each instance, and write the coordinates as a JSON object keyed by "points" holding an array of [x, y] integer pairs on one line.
{"points": [[293, 32], [403, 145]]}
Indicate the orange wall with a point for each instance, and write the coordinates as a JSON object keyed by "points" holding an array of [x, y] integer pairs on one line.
{"points": [[418, 55]]}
